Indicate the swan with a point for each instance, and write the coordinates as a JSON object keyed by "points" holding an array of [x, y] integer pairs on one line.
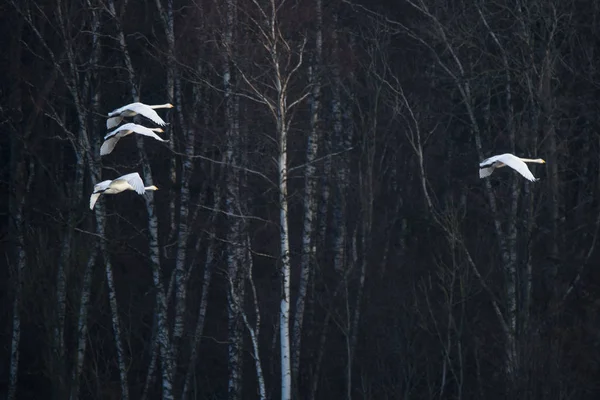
{"points": [[488, 165], [131, 181], [111, 139], [133, 109]]}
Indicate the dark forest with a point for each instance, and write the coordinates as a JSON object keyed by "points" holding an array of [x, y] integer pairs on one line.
{"points": [[320, 229]]}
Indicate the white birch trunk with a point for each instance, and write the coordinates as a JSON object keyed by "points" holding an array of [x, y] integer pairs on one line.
{"points": [[253, 329], [339, 205], [279, 53], [174, 89], [235, 251], [284, 311], [82, 323], [181, 278], [310, 203]]}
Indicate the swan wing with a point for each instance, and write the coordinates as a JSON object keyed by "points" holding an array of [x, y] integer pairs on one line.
{"points": [[93, 199], [119, 111], [142, 130], [147, 112], [484, 172], [102, 186], [114, 121], [135, 181], [517, 164], [490, 161], [109, 145]]}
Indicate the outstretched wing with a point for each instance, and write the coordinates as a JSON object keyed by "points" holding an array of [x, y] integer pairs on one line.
{"points": [[142, 130], [147, 112], [490, 161], [135, 181], [120, 131], [518, 165]]}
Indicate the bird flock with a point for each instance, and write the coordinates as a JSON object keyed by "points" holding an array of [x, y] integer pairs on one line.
{"points": [[131, 181], [134, 182]]}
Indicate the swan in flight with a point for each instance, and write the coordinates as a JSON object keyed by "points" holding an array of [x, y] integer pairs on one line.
{"points": [[131, 181], [488, 165], [111, 139], [133, 109]]}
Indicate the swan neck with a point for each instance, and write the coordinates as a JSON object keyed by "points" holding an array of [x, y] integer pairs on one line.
{"points": [[533, 160]]}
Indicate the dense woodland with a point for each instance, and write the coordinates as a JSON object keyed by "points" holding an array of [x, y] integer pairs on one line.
{"points": [[320, 229]]}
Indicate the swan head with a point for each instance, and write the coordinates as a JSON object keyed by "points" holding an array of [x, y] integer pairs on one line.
{"points": [[151, 188], [157, 129], [169, 105], [540, 160]]}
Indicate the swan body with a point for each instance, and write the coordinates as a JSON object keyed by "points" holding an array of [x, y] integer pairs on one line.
{"points": [[487, 166], [130, 110], [111, 139], [131, 181]]}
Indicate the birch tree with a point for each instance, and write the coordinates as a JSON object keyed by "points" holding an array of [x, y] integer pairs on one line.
{"points": [[233, 203], [283, 58], [310, 190]]}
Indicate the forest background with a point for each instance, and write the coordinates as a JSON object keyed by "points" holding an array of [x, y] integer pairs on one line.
{"points": [[320, 230]]}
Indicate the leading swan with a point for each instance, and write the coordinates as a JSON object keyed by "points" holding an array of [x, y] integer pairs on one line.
{"points": [[488, 165], [133, 109]]}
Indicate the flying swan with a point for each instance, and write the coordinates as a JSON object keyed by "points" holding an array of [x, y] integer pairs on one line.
{"points": [[111, 139], [488, 165], [126, 182], [133, 109]]}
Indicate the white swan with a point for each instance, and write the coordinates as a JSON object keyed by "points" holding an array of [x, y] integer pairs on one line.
{"points": [[488, 165], [126, 182], [133, 109], [111, 139]]}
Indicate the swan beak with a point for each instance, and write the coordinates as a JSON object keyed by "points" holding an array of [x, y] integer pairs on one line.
{"points": [[543, 161], [171, 105]]}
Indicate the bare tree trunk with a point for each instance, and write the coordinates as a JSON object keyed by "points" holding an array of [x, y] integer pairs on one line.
{"points": [[82, 324], [208, 269], [183, 233], [547, 105], [16, 206], [235, 251], [284, 312], [17, 213], [253, 329], [341, 181], [310, 186], [170, 65], [282, 69]]}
